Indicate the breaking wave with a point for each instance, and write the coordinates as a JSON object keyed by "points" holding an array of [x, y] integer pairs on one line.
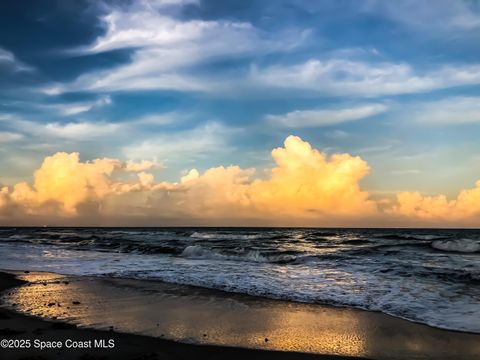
{"points": [[457, 245]]}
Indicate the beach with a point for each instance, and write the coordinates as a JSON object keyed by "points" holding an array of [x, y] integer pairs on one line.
{"points": [[182, 322], [15, 326], [213, 179]]}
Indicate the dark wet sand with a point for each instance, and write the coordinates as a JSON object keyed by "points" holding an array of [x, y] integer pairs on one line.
{"points": [[202, 316], [15, 326]]}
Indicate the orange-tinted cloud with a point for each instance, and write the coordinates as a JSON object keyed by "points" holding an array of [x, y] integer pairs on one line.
{"points": [[308, 183], [64, 180], [303, 183], [305, 186], [465, 207]]}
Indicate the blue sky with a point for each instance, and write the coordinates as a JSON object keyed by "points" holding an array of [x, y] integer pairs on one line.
{"points": [[205, 83]]}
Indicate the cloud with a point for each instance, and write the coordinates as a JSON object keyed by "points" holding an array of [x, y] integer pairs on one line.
{"points": [[6, 137], [141, 166], [316, 118], [304, 183], [350, 77], [406, 172], [188, 48], [446, 15], [159, 119], [64, 181], [78, 108], [464, 208], [192, 143], [63, 184], [142, 27], [304, 186], [165, 48], [454, 110], [337, 134], [82, 130], [8, 61], [6, 57], [79, 130]]}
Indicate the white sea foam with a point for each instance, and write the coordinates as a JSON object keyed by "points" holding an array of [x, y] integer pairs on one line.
{"points": [[457, 245], [217, 236], [404, 280], [198, 252]]}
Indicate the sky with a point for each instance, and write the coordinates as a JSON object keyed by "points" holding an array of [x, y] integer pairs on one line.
{"points": [[261, 113]]}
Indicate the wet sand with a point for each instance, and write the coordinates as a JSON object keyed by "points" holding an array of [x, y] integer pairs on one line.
{"points": [[207, 317], [15, 326]]}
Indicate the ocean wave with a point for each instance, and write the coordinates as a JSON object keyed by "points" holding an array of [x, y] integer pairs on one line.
{"points": [[357, 241], [323, 233], [396, 297], [410, 274], [223, 236], [457, 245], [199, 252], [424, 237]]}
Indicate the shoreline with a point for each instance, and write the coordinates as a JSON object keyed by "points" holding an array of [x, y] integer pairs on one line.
{"points": [[223, 293], [230, 323], [16, 326]]}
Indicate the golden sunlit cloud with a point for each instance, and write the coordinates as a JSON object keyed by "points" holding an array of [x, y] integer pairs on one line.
{"points": [[465, 206], [307, 182], [65, 182], [303, 184], [63, 179]]}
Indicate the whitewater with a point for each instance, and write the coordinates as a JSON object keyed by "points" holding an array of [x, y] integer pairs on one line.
{"points": [[423, 275]]}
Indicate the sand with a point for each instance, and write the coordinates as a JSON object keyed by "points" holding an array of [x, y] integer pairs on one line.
{"points": [[201, 316], [14, 326]]}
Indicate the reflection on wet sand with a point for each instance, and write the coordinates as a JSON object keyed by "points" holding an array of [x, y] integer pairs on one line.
{"points": [[198, 315]]}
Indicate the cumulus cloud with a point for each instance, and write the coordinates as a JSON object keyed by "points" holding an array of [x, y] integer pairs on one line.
{"points": [[143, 165], [64, 181], [314, 118], [306, 181], [303, 183], [304, 186], [464, 208]]}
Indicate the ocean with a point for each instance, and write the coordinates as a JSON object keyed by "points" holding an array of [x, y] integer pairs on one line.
{"points": [[430, 276]]}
